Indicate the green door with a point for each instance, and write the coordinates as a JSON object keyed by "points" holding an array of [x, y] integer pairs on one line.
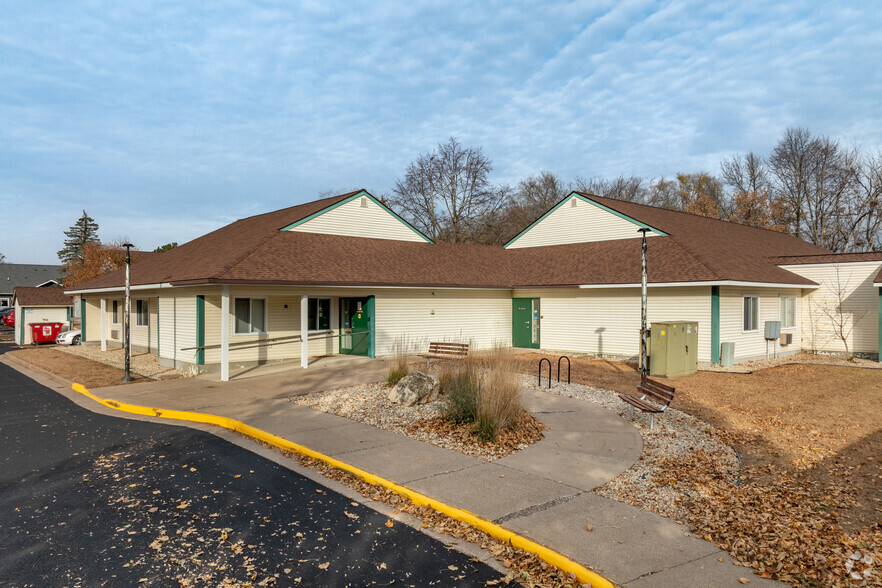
{"points": [[525, 320], [356, 337]]}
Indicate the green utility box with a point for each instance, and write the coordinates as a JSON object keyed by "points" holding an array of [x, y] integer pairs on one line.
{"points": [[673, 349]]}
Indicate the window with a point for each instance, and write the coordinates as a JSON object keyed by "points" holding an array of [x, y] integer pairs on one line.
{"points": [[319, 314], [250, 315], [114, 312], [142, 315], [787, 312], [751, 313]]}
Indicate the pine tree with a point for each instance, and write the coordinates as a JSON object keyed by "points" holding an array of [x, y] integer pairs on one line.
{"points": [[84, 231]]}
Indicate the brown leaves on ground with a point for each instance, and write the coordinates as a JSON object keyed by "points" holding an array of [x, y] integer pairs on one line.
{"points": [[526, 431], [90, 374], [524, 568]]}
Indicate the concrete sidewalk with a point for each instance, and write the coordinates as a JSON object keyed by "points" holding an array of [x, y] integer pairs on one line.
{"points": [[542, 492]]}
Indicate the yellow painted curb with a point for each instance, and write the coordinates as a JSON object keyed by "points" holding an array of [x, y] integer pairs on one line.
{"points": [[583, 574]]}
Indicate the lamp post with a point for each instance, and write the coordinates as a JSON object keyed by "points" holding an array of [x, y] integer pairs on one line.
{"points": [[644, 369], [127, 377]]}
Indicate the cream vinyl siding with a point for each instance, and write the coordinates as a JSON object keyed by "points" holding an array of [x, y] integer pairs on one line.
{"points": [[177, 325], [281, 322], [144, 337], [38, 315], [606, 321], [93, 320], [753, 344], [860, 297], [354, 220], [580, 224], [419, 317]]}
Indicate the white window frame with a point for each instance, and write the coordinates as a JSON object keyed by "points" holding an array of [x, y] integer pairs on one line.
{"points": [[114, 317], [781, 314], [235, 321], [146, 303], [330, 313], [743, 298]]}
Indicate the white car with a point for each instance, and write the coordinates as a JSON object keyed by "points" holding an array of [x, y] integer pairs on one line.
{"points": [[68, 338]]}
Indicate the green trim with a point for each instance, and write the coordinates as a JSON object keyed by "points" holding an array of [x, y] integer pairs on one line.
{"points": [[715, 324], [350, 199], [82, 320], [589, 201], [21, 327], [372, 338], [200, 329]]}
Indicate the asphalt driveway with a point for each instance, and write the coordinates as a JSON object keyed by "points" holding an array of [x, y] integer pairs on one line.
{"points": [[92, 500]]}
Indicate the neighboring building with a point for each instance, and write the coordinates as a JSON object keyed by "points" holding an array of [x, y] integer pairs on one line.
{"points": [[39, 305], [347, 275], [13, 275]]}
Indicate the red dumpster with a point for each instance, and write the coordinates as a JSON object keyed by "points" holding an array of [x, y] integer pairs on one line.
{"points": [[44, 332]]}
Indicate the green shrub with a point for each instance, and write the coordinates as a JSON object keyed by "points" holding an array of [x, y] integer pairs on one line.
{"points": [[485, 428], [462, 391], [396, 372]]}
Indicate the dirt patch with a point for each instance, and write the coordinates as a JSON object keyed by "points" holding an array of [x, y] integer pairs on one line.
{"points": [[90, 374], [527, 431]]}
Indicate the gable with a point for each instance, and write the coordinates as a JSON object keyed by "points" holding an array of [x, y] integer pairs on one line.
{"points": [[578, 220], [360, 215]]}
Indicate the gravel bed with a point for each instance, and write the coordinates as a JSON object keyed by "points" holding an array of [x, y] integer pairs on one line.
{"points": [[143, 364], [368, 404], [674, 435]]}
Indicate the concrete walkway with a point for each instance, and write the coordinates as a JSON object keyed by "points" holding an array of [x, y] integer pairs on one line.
{"points": [[542, 492]]}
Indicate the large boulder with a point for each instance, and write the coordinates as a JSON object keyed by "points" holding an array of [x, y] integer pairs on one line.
{"points": [[417, 388]]}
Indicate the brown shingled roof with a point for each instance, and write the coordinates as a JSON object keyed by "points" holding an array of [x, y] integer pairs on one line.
{"points": [[41, 296], [255, 250]]}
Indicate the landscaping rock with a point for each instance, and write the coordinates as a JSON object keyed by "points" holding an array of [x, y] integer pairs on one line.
{"points": [[417, 388]]}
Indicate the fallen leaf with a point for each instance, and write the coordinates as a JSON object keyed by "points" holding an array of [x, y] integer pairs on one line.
{"points": [[744, 580], [324, 566], [389, 523]]}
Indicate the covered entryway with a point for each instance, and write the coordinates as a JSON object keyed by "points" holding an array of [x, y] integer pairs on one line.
{"points": [[525, 323], [356, 326]]}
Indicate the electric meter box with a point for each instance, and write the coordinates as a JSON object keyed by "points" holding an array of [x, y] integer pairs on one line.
{"points": [[673, 349]]}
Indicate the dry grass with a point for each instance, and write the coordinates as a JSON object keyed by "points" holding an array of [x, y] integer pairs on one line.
{"points": [[501, 398], [397, 362], [71, 368]]}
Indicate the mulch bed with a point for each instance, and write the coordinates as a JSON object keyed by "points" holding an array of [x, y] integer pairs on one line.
{"points": [[527, 430]]}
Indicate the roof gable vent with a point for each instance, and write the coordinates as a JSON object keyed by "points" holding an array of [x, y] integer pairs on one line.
{"points": [[364, 202], [574, 202]]}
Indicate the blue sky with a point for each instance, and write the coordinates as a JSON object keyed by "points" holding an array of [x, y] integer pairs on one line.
{"points": [[165, 120]]}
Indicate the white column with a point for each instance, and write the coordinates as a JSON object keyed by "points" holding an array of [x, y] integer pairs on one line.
{"points": [[103, 325], [225, 334], [304, 331]]}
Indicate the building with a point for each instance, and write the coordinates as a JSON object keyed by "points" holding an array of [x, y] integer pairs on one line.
{"points": [[347, 275], [39, 305], [25, 274]]}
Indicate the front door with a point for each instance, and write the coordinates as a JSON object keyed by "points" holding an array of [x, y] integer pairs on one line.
{"points": [[525, 322], [355, 326]]}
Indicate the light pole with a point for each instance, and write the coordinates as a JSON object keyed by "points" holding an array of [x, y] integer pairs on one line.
{"points": [[127, 377], [644, 369]]}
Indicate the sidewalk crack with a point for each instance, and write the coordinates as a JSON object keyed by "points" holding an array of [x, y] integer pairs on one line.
{"points": [[530, 510]]}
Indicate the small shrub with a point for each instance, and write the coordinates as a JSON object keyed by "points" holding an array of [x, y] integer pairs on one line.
{"points": [[501, 399], [398, 367], [485, 428], [461, 382]]}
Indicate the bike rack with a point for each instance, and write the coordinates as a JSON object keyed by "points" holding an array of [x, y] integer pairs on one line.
{"points": [[558, 368], [549, 371]]}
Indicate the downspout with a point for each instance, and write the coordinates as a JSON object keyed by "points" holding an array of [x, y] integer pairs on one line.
{"points": [[715, 324]]}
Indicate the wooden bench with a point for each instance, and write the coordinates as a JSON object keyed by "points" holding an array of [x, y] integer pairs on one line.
{"points": [[655, 399], [441, 350]]}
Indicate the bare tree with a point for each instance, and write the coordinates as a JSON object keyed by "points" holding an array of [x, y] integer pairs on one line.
{"points": [[628, 188], [842, 319], [447, 193], [746, 173], [861, 231]]}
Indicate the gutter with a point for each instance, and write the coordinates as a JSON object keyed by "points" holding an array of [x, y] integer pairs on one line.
{"points": [[812, 286]]}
